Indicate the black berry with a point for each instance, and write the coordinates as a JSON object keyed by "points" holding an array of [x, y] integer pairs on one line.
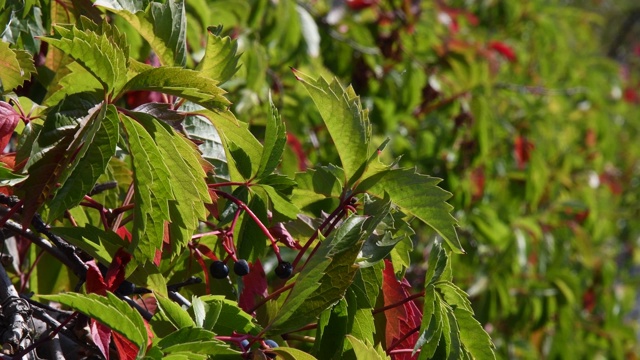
{"points": [[126, 288], [271, 344], [244, 344], [241, 267], [284, 270], [219, 270]]}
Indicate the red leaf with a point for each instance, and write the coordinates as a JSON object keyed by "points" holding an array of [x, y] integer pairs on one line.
{"points": [[401, 319], [126, 349], [101, 336], [9, 119], [124, 233], [95, 281], [630, 95], [282, 234], [255, 287], [522, 149], [360, 4], [504, 50], [115, 273], [296, 146], [477, 183]]}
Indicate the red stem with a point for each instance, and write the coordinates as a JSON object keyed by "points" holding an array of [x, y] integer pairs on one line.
{"points": [[403, 301], [271, 296], [402, 338], [253, 216]]}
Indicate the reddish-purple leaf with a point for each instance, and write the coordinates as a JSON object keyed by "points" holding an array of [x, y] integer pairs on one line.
{"points": [[101, 336], [9, 119], [282, 234], [95, 282], [401, 319], [255, 287], [115, 274], [126, 349]]}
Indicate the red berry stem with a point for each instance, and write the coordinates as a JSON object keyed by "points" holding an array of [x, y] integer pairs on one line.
{"points": [[253, 216], [327, 221]]}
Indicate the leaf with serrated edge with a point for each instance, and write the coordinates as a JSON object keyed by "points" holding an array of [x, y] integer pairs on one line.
{"points": [[17, 67], [96, 52], [275, 139], [184, 83], [231, 130], [474, 338], [153, 191], [347, 122], [324, 279], [196, 340], [187, 182], [163, 25], [91, 162], [288, 353], [419, 195], [178, 317], [364, 351], [220, 61], [110, 311]]}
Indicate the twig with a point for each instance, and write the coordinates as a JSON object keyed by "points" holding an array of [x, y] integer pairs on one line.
{"points": [[17, 313]]}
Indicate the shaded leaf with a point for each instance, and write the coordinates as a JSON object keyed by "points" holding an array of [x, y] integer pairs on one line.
{"points": [[89, 164]]}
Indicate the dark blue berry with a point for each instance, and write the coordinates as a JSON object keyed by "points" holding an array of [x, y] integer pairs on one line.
{"points": [[284, 270], [219, 270], [126, 288], [244, 344], [241, 267]]}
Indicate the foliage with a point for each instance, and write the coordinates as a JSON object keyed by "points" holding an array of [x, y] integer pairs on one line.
{"points": [[147, 140]]}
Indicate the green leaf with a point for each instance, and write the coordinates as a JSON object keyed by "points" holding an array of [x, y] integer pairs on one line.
{"points": [[324, 279], [98, 243], [418, 195], [110, 311], [90, 162], [330, 345], [201, 129], [230, 317], [280, 204], [231, 130], [438, 264], [8, 177], [474, 338], [364, 351], [17, 67], [186, 205], [275, 139], [251, 241], [163, 25], [184, 83], [316, 185], [431, 327], [220, 61], [347, 122], [169, 317], [97, 49], [152, 189], [288, 353], [195, 340], [453, 295]]}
